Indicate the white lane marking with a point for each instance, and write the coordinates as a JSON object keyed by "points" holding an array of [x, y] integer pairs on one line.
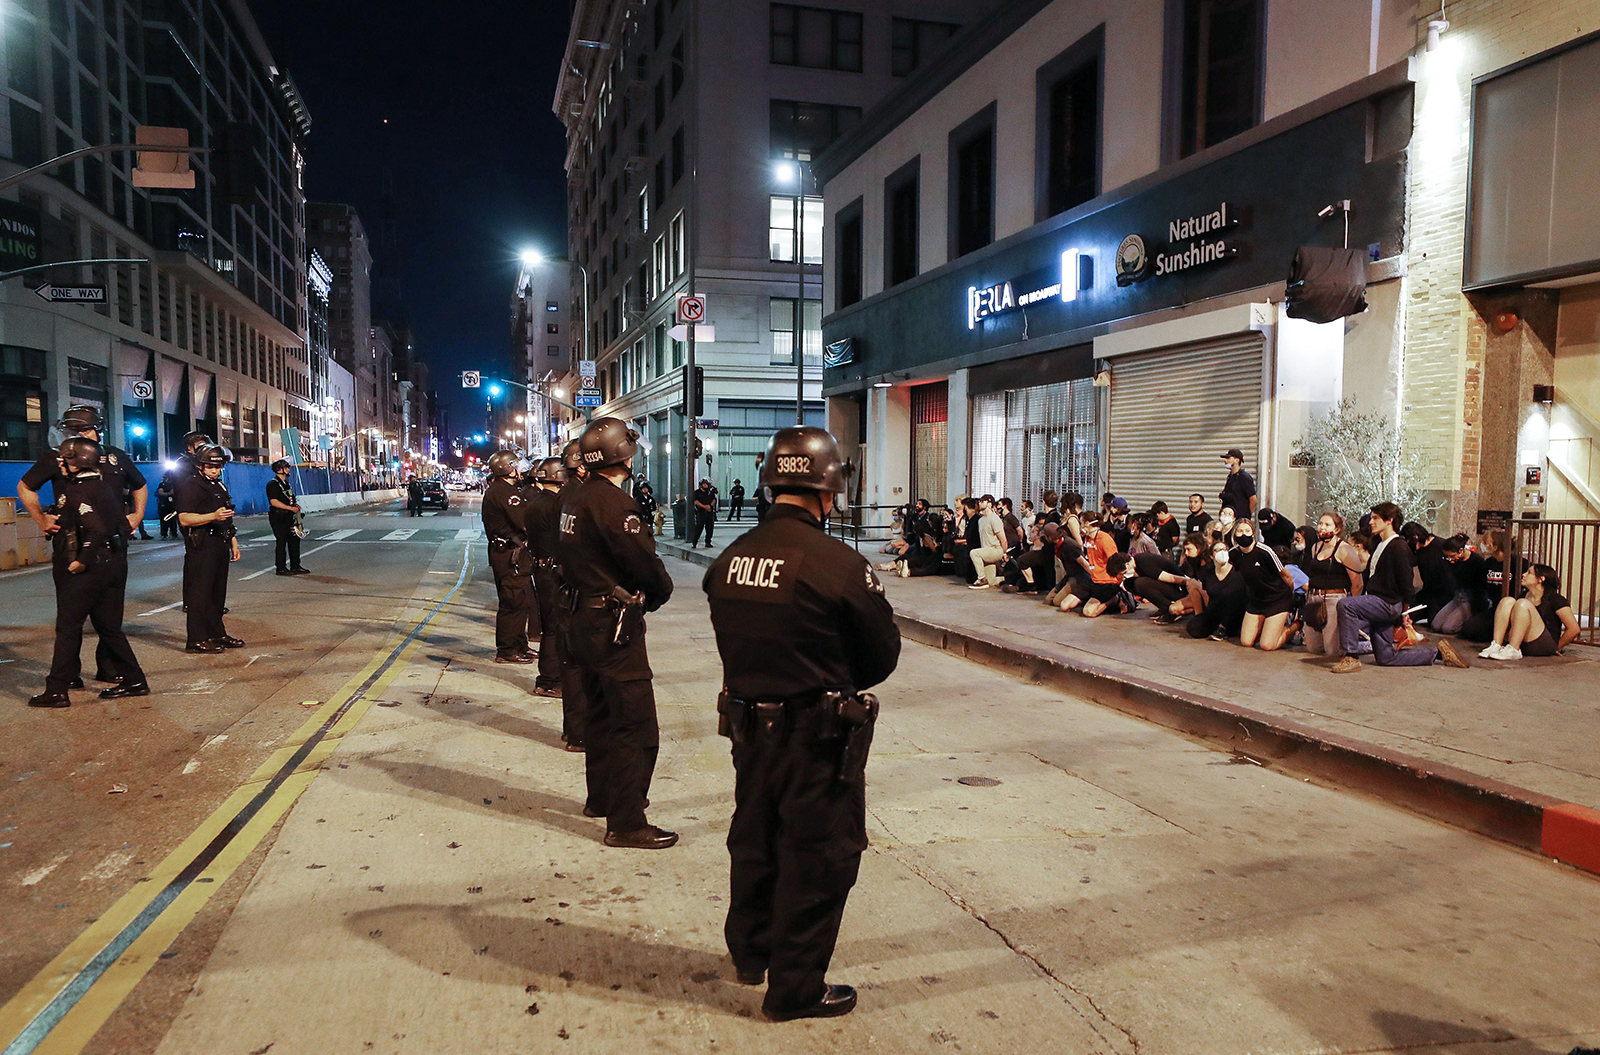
{"points": [[257, 574], [307, 553], [39, 873], [114, 862], [158, 611], [468, 534], [399, 535], [336, 536], [190, 766], [204, 687]]}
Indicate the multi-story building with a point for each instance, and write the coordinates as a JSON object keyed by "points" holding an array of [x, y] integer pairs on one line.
{"points": [[375, 400], [677, 113], [543, 351], [209, 332], [1058, 257]]}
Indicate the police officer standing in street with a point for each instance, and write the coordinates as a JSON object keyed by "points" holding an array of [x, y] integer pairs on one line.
{"points": [[188, 465], [544, 530], [803, 628], [504, 521], [90, 567], [115, 467], [205, 515], [574, 704], [609, 562], [283, 514]]}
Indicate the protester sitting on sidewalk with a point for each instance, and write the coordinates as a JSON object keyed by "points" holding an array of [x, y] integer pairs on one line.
{"points": [[1051, 514], [1100, 598], [1386, 593], [1035, 570], [1198, 518], [1016, 541], [1438, 575], [1493, 584], [1116, 521], [1101, 585], [1333, 571], [1269, 592], [1539, 623], [1026, 513], [1139, 540], [1274, 528], [1070, 565], [1164, 527], [1159, 580], [990, 551], [1464, 564], [1222, 598], [1072, 516], [965, 539]]}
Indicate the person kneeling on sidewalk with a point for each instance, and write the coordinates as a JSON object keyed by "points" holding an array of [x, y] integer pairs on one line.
{"points": [[1386, 593]]}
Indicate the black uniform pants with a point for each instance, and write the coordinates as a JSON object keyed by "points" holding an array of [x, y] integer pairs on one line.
{"points": [[205, 584], [795, 844], [288, 543], [166, 510], [704, 519], [620, 734], [414, 505], [516, 601], [735, 508], [574, 704], [95, 594], [546, 594]]}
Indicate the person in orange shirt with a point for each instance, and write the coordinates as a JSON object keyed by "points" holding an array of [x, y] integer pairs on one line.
{"points": [[1102, 587]]}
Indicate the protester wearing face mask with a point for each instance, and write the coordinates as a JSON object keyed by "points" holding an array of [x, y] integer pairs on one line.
{"points": [[1163, 583], [1101, 585], [1333, 569], [1269, 592], [1222, 595]]}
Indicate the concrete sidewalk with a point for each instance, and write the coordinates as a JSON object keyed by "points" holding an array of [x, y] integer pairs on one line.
{"points": [[1495, 748]]}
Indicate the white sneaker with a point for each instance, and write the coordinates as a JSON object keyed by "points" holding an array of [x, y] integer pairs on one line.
{"points": [[903, 570], [981, 584], [1507, 652], [1488, 653]]}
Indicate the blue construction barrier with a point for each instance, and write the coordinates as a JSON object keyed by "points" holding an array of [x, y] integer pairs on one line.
{"points": [[248, 483]]}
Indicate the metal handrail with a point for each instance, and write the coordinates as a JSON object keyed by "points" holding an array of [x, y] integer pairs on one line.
{"points": [[1572, 547]]}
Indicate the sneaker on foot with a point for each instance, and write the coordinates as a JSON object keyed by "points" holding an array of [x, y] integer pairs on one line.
{"points": [[979, 585], [1488, 653], [1452, 658], [1347, 665], [903, 570]]}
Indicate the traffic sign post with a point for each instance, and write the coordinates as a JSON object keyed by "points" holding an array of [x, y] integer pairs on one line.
{"points": [[691, 308], [143, 390], [471, 379]]}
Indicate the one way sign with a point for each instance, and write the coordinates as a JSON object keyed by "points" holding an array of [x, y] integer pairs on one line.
{"points": [[86, 294]]}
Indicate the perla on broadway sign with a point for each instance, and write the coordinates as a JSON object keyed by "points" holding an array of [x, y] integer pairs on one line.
{"points": [[1076, 274]]}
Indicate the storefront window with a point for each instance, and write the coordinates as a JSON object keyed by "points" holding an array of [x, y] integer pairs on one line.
{"points": [[1030, 440]]}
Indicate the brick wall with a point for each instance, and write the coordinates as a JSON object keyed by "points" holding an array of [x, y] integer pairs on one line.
{"points": [[1445, 338]]}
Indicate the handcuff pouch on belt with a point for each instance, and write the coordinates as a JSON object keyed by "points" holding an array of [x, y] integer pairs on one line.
{"points": [[849, 717]]}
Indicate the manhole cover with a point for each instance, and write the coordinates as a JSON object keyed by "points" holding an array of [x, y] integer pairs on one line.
{"points": [[979, 782]]}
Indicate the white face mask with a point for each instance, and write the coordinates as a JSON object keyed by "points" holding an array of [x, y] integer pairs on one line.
{"points": [[1220, 558]]}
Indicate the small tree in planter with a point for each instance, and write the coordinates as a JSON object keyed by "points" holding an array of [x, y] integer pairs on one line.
{"points": [[1357, 459]]}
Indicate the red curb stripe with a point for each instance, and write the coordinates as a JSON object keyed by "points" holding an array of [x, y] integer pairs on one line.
{"points": [[1571, 833]]}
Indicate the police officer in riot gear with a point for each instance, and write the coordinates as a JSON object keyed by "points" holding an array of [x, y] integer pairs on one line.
{"points": [[613, 576], [283, 514], [504, 521], [573, 702], [205, 515], [188, 465], [91, 576], [85, 421], [803, 628], [544, 529]]}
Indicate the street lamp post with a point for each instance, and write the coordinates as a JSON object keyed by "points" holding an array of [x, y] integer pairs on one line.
{"points": [[794, 172]]}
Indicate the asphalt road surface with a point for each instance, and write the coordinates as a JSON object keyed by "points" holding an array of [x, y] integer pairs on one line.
{"points": [[375, 843]]}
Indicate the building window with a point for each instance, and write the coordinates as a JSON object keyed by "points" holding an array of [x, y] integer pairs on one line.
{"points": [[677, 156], [972, 184], [677, 68], [555, 350], [658, 262], [848, 245], [783, 332], [781, 229], [902, 210], [804, 130], [1067, 130], [913, 42], [1220, 71], [678, 254], [817, 38]]}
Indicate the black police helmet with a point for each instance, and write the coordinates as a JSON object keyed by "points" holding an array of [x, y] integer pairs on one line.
{"points": [[803, 458], [81, 416], [503, 464], [80, 455], [210, 456], [281, 464], [193, 441], [607, 442], [570, 456], [550, 471]]}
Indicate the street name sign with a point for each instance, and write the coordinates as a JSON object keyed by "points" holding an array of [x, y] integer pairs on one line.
{"points": [[703, 334], [582, 402], [84, 294]]}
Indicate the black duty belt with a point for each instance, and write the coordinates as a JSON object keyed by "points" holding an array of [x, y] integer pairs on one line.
{"points": [[544, 562], [206, 529]]}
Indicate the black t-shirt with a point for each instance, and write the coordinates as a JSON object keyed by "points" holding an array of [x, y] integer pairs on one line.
{"points": [[1278, 532], [1151, 565], [116, 468], [1438, 575], [1196, 521], [1167, 534], [1237, 491], [277, 489], [1218, 589], [1263, 575], [1553, 603], [1121, 535]]}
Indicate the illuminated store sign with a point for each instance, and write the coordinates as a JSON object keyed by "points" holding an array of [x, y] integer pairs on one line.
{"points": [[1192, 241], [1077, 273]]}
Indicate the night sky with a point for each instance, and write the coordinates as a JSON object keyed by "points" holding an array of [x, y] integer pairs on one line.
{"points": [[472, 148]]}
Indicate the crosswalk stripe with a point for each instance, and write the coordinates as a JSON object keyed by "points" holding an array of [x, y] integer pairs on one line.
{"points": [[468, 534], [399, 535], [335, 536]]}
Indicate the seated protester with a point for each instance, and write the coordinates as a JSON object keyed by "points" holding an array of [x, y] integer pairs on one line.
{"points": [[1303, 535], [1333, 570], [1386, 593], [1026, 513], [1051, 514], [1438, 576], [1116, 599], [1015, 540], [923, 559], [1071, 565], [971, 538], [1035, 570], [1222, 598], [1117, 525], [1101, 585], [1269, 592], [1139, 540], [1539, 623], [1225, 521], [1198, 518], [989, 552], [1496, 549], [1296, 573], [1161, 581], [1453, 616], [1164, 527], [1274, 529]]}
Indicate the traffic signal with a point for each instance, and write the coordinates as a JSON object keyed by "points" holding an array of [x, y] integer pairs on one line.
{"points": [[695, 395], [699, 446]]}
